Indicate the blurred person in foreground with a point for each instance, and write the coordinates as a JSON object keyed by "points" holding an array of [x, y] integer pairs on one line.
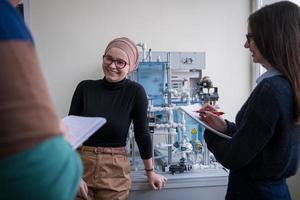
{"points": [[36, 162]]}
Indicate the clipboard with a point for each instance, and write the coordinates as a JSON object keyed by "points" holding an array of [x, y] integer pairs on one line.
{"points": [[190, 110]]}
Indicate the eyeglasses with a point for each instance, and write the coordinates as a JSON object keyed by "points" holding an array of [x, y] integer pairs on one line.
{"points": [[249, 36], [119, 63]]}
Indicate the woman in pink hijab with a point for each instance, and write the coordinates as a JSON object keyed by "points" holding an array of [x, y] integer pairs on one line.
{"points": [[122, 102]]}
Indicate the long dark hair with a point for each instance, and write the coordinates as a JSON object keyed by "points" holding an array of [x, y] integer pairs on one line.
{"points": [[276, 30]]}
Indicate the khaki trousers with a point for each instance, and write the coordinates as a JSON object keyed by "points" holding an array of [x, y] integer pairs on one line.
{"points": [[107, 174]]}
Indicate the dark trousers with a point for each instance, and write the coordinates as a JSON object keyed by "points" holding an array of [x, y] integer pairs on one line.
{"points": [[240, 188]]}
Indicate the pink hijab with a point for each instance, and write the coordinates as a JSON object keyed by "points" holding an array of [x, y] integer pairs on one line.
{"points": [[129, 47]]}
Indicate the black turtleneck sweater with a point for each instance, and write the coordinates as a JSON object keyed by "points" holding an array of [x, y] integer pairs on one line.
{"points": [[120, 103]]}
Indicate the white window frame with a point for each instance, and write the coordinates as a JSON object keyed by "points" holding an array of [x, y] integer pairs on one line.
{"points": [[257, 69], [26, 11]]}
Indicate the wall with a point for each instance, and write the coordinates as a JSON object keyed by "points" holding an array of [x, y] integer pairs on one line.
{"points": [[71, 36]]}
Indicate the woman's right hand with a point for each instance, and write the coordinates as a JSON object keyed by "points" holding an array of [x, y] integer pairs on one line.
{"points": [[156, 181], [213, 120], [83, 190], [65, 131]]}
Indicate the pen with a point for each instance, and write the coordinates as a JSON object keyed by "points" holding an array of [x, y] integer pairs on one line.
{"points": [[218, 113]]}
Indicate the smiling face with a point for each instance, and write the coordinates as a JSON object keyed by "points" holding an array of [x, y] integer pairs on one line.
{"points": [[256, 55], [111, 71]]}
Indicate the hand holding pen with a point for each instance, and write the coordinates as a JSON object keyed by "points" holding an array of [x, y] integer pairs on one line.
{"points": [[209, 108], [210, 115]]}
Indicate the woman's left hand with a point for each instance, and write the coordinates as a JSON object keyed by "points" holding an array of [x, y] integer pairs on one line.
{"points": [[156, 181]]}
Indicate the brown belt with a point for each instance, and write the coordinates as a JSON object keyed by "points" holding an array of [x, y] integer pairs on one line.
{"points": [[105, 150]]}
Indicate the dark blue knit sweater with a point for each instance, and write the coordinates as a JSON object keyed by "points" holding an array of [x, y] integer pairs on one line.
{"points": [[265, 140]]}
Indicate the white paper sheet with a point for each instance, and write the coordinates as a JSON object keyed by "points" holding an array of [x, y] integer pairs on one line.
{"points": [[81, 128]]}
